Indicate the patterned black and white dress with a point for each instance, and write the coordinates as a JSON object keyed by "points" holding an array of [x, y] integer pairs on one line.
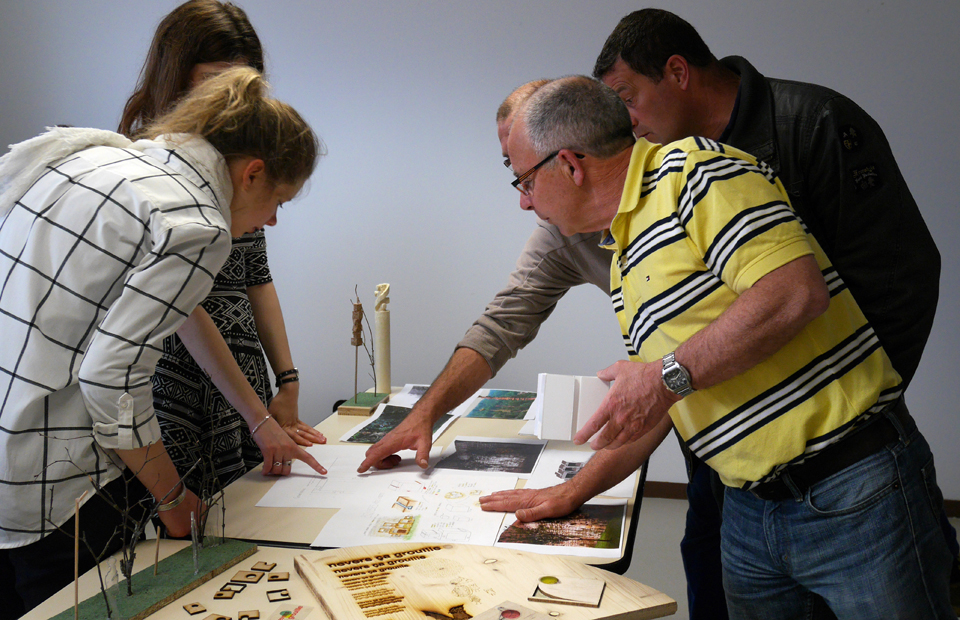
{"points": [[201, 430]]}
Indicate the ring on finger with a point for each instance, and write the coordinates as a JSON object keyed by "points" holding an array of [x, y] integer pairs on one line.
{"points": [[287, 463]]}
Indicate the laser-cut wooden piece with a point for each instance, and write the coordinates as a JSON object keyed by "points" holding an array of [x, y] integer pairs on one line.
{"points": [[250, 614], [246, 576], [278, 595], [568, 591], [264, 566], [194, 608], [406, 581], [278, 577], [233, 587], [224, 594]]}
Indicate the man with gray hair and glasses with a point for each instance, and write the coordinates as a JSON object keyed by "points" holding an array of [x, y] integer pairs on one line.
{"points": [[549, 265], [740, 331]]}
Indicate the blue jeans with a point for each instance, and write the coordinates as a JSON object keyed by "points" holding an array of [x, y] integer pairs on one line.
{"points": [[700, 548], [866, 539]]}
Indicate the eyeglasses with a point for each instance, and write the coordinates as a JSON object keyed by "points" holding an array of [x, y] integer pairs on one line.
{"points": [[524, 183]]}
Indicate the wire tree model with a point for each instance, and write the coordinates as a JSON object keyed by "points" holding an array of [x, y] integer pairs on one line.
{"points": [[362, 403], [136, 513]]}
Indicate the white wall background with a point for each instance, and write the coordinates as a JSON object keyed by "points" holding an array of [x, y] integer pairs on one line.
{"points": [[413, 192]]}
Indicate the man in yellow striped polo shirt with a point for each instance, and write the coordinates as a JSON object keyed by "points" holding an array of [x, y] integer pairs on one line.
{"points": [[738, 326]]}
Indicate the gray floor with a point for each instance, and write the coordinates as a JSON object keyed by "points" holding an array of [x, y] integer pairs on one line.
{"points": [[656, 554]]}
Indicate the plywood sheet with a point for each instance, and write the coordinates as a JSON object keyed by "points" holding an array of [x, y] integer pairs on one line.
{"points": [[458, 582]]}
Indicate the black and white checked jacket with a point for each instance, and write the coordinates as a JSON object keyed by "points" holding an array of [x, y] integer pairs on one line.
{"points": [[103, 257]]}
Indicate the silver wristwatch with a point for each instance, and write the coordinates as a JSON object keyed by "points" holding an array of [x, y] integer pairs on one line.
{"points": [[675, 376]]}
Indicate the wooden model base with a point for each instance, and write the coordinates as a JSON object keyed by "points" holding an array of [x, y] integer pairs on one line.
{"points": [[409, 580], [175, 577], [363, 403]]}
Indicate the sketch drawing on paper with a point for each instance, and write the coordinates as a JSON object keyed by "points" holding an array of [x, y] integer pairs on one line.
{"points": [[405, 504], [397, 528], [502, 404]]}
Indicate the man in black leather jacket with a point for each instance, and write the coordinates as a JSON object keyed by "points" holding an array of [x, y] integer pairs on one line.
{"points": [[842, 180]]}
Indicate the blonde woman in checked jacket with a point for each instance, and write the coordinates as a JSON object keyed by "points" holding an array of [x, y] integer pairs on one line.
{"points": [[106, 246]]}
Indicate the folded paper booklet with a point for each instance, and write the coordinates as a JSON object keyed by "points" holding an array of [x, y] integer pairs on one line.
{"points": [[566, 402]]}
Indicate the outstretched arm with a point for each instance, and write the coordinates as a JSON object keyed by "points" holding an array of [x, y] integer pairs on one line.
{"points": [[205, 343], [604, 470], [464, 374], [765, 317]]}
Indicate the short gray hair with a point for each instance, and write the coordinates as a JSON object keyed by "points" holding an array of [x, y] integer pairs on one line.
{"points": [[578, 113]]}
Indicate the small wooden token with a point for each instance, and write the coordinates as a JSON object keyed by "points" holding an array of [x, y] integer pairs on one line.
{"points": [[217, 617], [233, 587], [222, 594], [568, 591], [278, 577], [278, 595], [252, 614], [264, 566], [246, 576], [194, 608]]}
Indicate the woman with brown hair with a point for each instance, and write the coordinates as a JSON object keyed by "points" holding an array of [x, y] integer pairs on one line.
{"points": [[207, 405], [106, 246]]}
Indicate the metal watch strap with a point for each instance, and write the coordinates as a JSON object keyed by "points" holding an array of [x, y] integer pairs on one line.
{"points": [[675, 377]]}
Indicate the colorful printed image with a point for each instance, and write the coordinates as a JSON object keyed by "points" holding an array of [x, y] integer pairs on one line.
{"points": [[503, 405], [405, 504], [509, 457], [398, 528], [386, 422], [592, 526]]}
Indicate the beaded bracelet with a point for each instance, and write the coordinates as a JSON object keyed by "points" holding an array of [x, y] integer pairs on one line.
{"points": [[175, 502], [288, 376]]}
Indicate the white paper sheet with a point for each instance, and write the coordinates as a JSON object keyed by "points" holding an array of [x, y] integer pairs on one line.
{"points": [[409, 395], [432, 507], [342, 486]]}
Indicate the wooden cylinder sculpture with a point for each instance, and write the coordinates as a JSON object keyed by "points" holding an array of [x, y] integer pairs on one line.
{"points": [[381, 339]]}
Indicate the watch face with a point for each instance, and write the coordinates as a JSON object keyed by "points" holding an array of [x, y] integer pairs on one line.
{"points": [[674, 379]]}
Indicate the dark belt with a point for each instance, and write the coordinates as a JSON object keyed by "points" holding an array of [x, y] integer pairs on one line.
{"points": [[836, 457]]}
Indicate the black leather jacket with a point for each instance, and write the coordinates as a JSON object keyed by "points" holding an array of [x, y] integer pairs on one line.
{"points": [[844, 182]]}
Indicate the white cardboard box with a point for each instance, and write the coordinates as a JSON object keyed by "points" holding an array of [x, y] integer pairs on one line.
{"points": [[566, 403]]}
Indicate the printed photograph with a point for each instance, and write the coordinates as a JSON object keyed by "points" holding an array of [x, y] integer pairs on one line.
{"points": [[386, 422], [497, 456], [502, 405], [592, 526]]}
